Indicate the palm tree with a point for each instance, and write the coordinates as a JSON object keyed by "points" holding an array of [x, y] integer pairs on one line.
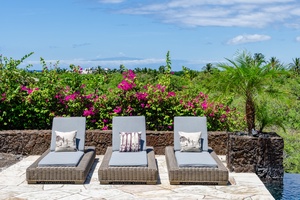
{"points": [[274, 63], [258, 57], [208, 68], [295, 65], [247, 77]]}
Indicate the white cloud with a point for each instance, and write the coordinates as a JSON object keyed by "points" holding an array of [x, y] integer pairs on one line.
{"points": [[129, 63], [111, 63], [240, 39], [298, 39], [238, 13]]}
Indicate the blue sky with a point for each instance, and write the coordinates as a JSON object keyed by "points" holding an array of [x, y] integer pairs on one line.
{"points": [[139, 33]]}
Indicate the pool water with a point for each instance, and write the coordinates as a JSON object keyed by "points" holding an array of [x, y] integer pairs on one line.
{"points": [[289, 188]]}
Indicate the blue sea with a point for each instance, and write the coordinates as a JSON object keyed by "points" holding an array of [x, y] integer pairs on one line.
{"points": [[289, 188]]}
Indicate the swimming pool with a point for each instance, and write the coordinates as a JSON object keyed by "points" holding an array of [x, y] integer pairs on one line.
{"points": [[289, 188]]}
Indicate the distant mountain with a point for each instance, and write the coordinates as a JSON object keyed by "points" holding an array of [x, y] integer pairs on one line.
{"points": [[116, 58]]}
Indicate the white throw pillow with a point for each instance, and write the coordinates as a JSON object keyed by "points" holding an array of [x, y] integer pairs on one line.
{"points": [[130, 141], [65, 141], [190, 141]]}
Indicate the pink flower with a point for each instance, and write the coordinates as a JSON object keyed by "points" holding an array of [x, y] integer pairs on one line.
{"points": [[204, 105], [24, 88], [96, 98], [124, 85], [118, 110], [171, 94], [104, 97], [223, 116], [88, 96], [29, 91], [88, 113], [129, 75], [71, 96], [129, 109], [105, 121], [190, 104], [141, 96], [3, 97], [160, 87], [105, 128], [227, 109]]}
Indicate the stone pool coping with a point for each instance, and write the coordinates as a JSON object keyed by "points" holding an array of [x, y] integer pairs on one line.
{"points": [[13, 185]]}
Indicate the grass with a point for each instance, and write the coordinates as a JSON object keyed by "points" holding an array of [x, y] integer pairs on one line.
{"points": [[291, 159]]}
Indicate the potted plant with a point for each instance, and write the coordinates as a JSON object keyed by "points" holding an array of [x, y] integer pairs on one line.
{"points": [[247, 78]]}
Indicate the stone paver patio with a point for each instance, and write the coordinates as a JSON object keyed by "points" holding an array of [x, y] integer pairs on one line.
{"points": [[13, 185]]}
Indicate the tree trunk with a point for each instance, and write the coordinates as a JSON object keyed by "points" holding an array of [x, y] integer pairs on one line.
{"points": [[250, 114]]}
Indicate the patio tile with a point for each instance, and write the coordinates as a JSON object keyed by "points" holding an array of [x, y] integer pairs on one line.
{"points": [[13, 185]]}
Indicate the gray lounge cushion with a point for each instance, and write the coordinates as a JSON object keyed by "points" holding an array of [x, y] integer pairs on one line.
{"points": [[63, 159], [195, 159], [133, 159]]}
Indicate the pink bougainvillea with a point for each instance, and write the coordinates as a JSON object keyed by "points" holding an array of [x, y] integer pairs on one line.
{"points": [[99, 100], [70, 97], [141, 96], [118, 110], [29, 91], [88, 113], [3, 97], [126, 85], [204, 105], [128, 81]]}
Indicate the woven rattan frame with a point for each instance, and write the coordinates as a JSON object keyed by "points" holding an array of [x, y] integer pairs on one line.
{"points": [[69, 175], [128, 175], [195, 175]]}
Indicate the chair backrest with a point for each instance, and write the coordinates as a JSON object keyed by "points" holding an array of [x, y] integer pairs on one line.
{"points": [[190, 124], [65, 124], [128, 124]]}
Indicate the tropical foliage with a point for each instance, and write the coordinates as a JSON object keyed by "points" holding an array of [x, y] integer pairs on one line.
{"points": [[247, 76], [31, 99], [239, 95]]}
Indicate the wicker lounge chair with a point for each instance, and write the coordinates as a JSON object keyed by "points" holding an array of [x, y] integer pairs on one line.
{"points": [[128, 167], [64, 167], [202, 167]]}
